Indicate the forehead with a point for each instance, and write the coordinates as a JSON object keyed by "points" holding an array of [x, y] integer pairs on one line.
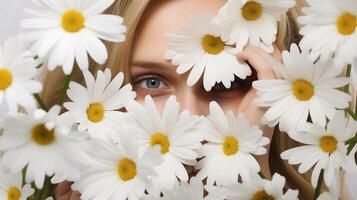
{"points": [[163, 16]]}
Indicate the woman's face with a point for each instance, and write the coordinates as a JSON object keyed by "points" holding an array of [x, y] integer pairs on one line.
{"points": [[153, 75]]}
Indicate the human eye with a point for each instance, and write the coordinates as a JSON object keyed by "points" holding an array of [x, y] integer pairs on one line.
{"points": [[150, 85]]}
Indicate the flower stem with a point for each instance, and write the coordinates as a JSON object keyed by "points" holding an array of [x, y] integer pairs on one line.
{"points": [[24, 176], [351, 143], [351, 140], [45, 192], [261, 175], [347, 90], [319, 185], [40, 102], [348, 74], [37, 195], [65, 88], [47, 189], [353, 115], [39, 66]]}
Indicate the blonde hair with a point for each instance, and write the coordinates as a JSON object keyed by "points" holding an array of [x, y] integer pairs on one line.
{"points": [[119, 61]]}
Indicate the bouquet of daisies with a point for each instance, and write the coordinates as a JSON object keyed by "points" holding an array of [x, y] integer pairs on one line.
{"points": [[142, 153]]}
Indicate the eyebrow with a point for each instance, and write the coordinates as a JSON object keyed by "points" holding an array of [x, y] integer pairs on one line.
{"points": [[151, 64]]}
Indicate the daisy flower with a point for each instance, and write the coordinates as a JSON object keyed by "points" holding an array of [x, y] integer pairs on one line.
{"points": [[334, 191], [306, 88], [252, 22], [330, 29], [199, 47], [258, 188], [42, 145], [231, 141], [324, 148], [11, 187], [17, 71], [191, 191], [120, 171], [64, 31], [177, 134], [95, 108]]}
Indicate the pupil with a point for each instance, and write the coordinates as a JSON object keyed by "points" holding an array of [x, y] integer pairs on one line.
{"points": [[153, 83]]}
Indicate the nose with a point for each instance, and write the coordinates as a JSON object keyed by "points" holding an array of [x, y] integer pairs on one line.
{"points": [[190, 100]]}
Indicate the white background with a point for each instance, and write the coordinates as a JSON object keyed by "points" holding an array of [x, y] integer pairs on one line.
{"points": [[11, 14]]}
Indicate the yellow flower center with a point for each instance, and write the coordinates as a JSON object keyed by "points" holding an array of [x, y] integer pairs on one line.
{"points": [[42, 136], [252, 11], [5, 79], [126, 169], [95, 112], [212, 45], [73, 21], [328, 144], [230, 146], [262, 195], [14, 194], [346, 23], [303, 90], [162, 140]]}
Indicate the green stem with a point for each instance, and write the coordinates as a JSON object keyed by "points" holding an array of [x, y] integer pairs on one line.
{"points": [[40, 102], [351, 144], [65, 88], [37, 195], [356, 108], [47, 189], [351, 140], [23, 176], [348, 74], [319, 185], [261, 175], [39, 66], [350, 112], [350, 147], [347, 90]]}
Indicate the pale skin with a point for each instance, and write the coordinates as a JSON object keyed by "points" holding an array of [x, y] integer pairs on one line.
{"points": [[155, 76]]}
